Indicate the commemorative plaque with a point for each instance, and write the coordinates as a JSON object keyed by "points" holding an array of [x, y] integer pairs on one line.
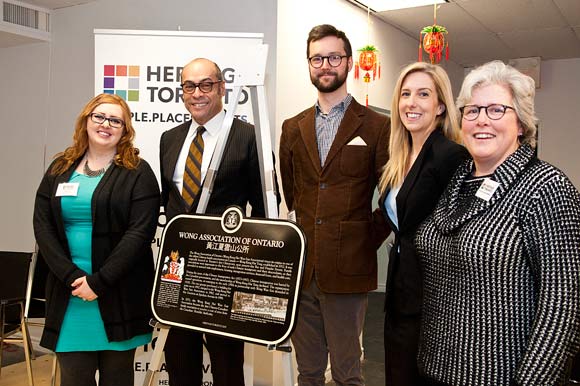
{"points": [[229, 275]]}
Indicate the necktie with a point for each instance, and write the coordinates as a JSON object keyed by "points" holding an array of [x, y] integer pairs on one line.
{"points": [[192, 172]]}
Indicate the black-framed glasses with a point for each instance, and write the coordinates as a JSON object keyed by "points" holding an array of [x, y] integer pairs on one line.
{"points": [[116, 123], [495, 111], [205, 86], [333, 60]]}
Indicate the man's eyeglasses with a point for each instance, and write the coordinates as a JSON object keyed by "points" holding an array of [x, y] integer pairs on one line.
{"points": [[205, 87], [495, 111], [116, 123], [333, 60]]}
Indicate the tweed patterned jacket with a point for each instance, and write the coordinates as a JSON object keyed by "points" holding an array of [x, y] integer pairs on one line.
{"points": [[502, 278]]}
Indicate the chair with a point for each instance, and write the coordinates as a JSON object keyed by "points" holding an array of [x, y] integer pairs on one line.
{"points": [[35, 306], [15, 267]]}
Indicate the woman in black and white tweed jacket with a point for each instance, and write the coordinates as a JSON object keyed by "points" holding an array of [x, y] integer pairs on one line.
{"points": [[501, 252]]}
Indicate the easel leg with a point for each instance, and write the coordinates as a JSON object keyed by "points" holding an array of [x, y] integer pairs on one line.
{"points": [[157, 354], [287, 369], [285, 359]]}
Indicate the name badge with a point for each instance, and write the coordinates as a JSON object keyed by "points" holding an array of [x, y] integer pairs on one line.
{"points": [[69, 189], [487, 189]]}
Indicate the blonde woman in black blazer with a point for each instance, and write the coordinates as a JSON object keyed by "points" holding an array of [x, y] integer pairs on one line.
{"points": [[423, 154]]}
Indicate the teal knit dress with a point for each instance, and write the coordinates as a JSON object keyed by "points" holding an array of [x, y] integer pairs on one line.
{"points": [[82, 328]]}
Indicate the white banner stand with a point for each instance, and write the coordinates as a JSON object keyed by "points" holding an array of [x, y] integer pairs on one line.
{"points": [[251, 76]]}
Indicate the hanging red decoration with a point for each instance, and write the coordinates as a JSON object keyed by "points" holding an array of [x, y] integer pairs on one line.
{"points": [[367, 61], [434, 39], [434, 42]]}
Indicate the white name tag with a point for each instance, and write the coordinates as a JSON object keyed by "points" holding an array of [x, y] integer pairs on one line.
{"points": [[487, 189], [67, 189]]}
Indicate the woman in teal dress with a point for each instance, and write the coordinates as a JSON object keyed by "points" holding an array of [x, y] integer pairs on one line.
{"points": [[94, 218]]}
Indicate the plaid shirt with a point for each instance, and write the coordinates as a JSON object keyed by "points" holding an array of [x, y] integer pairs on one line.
{"points": [[327, 125]]}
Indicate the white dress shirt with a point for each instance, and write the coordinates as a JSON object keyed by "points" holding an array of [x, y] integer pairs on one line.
{"points": [[210, 137]]}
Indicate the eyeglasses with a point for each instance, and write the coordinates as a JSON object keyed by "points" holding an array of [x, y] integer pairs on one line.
{"points": [[495, 111], [205, 87], [116, 123], [333, 60]]}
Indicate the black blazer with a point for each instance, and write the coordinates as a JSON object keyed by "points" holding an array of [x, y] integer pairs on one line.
{"points": [[125, 208], [416, 199], [237, 181]]}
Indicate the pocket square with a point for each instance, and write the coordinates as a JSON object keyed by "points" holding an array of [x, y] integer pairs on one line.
{"points": [[357, 141]]}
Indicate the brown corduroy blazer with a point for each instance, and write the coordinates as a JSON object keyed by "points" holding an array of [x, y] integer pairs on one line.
{"points": [[333, 203]]}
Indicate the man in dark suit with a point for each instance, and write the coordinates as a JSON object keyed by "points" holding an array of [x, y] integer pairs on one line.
{"points": [[331, 157], [237, 183]]}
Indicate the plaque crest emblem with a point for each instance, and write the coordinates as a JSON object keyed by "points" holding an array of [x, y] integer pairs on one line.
{"points": [[232, 219]]}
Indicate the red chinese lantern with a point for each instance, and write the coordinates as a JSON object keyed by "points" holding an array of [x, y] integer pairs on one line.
{"points": [[434, 42], [367, 61]]}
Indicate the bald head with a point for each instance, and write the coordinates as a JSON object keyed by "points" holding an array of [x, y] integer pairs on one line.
{"points": [[205, 63]]}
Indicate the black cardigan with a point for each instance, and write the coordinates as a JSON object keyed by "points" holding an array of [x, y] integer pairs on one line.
{"points": [[125, 208]]}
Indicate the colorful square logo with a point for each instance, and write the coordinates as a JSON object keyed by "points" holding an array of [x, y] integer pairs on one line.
{"points": [[122, 80]]}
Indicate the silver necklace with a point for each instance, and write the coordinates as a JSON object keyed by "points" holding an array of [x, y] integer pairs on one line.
{"points": [[95, 173]]}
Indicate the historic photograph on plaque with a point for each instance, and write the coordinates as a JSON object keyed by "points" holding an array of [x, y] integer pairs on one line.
{"points": [[229, 275]]}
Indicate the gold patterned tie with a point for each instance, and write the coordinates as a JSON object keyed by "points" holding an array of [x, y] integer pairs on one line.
{"points": [[192, 172]]}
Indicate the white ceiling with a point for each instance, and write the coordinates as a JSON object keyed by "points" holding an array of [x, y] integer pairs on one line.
{"points": [[479, 30]]}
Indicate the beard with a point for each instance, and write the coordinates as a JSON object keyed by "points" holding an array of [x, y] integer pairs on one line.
{"points": [[335, 84]]}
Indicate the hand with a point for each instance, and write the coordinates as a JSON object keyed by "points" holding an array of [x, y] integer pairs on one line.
{"points": [[83, 290]]}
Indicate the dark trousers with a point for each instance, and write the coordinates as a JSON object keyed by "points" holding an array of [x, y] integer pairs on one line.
{"points": [[184, 359], [329, 325], [401, 345], [79, 368]]}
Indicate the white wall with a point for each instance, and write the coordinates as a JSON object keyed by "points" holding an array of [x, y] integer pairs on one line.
{"points": [[558, 107], [23, 123], [296, 18]]}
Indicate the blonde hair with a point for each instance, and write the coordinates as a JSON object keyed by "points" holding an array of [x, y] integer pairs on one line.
{"points": [[127, 155], [400, 145], [521, 87]]}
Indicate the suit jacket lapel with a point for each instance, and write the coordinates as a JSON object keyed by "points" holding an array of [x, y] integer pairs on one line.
{"points": [[217, 183], [174, 150], [308, 133], [175, 147], [411, 178], [349, 125], [383, 207]]}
